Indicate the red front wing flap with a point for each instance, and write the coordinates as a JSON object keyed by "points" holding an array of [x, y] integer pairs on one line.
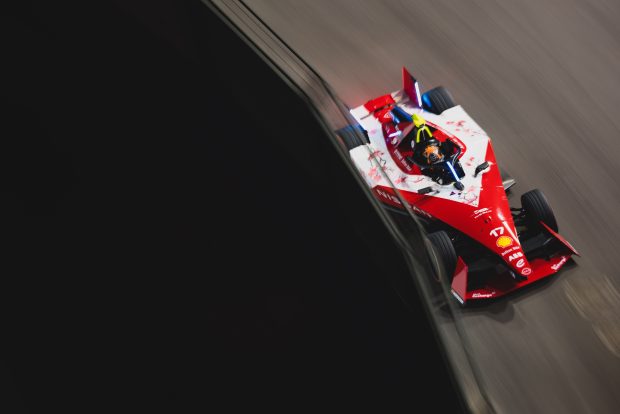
{"points": [[502, 284], [561, 239]]}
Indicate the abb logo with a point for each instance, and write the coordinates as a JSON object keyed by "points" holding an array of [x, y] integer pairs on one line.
{"points": [[515, 256]]}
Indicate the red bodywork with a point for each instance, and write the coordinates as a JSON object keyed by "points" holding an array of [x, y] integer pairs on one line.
{"points": [[490, 222]]}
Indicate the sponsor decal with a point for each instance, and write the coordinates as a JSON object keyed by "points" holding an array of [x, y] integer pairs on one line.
{"points": [[481, 212], [512, 249], [388, 196], [559, 264], [421, 212], [514, 236], [400, 158], [514, 256], [483, 295], [504, 241], [526, 271], [520, 263]]}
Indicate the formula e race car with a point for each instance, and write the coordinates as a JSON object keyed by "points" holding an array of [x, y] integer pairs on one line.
{"points": [[443, 167]]}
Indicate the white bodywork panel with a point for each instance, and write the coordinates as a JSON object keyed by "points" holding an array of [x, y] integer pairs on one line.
{"points": [[454, 121]]}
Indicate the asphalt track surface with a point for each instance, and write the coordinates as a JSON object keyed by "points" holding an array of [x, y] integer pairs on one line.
{"points": [[541, 77]]}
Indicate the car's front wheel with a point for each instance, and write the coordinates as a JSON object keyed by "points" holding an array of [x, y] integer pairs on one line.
{"points": [[537, 209], [444, 251]]}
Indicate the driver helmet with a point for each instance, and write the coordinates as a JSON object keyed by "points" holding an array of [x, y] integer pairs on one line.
{"points": [[432, 153]]}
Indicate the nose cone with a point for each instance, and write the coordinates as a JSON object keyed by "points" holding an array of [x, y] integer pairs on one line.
{"points": [[501, 238]]}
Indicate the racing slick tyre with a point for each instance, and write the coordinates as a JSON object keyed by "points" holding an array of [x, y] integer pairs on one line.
{"points": [[353, 136], [437, 100], [444, 250], [537, 209]]}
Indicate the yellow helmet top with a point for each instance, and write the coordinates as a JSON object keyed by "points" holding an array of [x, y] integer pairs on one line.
{"points": [[418, 121]]}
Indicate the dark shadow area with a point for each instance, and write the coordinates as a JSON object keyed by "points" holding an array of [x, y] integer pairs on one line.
{"points": [[164, 251]]}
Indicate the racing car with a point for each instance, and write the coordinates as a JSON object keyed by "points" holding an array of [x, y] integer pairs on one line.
{"points": [[424, 153]]}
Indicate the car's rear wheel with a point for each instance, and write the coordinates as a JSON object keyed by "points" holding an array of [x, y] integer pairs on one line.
{"points": [[437, 100], [353, 136], [444, 251], [537, 209]]}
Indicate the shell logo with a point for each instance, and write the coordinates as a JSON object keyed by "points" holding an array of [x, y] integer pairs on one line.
{"points": [[504, 241]]}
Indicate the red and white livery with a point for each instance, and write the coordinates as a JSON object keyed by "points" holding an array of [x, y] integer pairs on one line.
{"points": [[495, 248]]}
